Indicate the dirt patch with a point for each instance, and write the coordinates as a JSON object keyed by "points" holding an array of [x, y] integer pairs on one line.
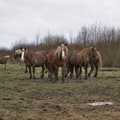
{"points": [[40, 95]]}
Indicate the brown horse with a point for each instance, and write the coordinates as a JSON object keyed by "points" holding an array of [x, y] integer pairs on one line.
{"points": [[4, 60], [57, 58], [34, 59], [88, 56], [73, 62], [95, 62]]}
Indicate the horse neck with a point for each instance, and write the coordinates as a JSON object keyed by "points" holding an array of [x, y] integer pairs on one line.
{"points": [[87, 52], [84, 54], [28, 54]]}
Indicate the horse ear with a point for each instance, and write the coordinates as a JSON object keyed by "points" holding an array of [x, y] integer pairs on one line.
{"points": [[65, 44], [93, 48], [20, 48], [59, 44], [25, 48]]}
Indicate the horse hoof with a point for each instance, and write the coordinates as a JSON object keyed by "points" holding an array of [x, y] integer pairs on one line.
{"points": [[88, 75], [53, 81], [41, 76], [95, 76], [63, 81]]}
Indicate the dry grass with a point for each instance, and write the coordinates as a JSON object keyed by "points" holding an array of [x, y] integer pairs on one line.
{"points": [[39, 99]]}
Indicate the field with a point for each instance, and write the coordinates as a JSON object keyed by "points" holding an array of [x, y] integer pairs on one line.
{"points": [[39, 99]]}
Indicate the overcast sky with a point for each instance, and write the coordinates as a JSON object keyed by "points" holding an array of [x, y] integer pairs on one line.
{"points": [[24, 18]]}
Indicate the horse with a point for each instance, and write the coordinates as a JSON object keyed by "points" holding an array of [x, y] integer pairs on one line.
{"points": [[4, 60], [84, 58], [73, 62], [57, 58], [17, 54], [34, 59], [95, 62]]}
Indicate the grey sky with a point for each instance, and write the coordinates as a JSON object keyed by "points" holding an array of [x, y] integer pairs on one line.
{"points": [[24, 18]]}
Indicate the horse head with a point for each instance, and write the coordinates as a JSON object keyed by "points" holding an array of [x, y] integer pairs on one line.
{"points": [[23, 54], [93, 54], [62, 51], [17, 53]]}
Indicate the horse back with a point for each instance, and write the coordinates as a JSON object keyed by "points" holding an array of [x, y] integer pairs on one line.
{"points": [[4, 59], [36, 58], [73, 58]]}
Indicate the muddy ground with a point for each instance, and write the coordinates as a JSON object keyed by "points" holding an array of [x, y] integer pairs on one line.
{"points": [[39, 99]]}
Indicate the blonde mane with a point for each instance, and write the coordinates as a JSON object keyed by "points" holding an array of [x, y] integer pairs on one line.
{"points": [[58, 52], [18, 51], [99, 60], [61, 51]]}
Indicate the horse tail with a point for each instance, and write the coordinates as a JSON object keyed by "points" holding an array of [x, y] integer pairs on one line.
{"points": [[99, 60]]}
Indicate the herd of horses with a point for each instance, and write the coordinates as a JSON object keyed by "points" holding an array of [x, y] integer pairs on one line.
{"points": [[50, 61]]}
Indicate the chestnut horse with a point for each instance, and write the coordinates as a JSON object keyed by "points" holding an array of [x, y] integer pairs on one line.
{"points": [[4, 60], [88, 56], [57, 58], [34, 59]]}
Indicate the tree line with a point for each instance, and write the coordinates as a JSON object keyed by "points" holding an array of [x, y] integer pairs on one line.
{"points": [[106, 39]]}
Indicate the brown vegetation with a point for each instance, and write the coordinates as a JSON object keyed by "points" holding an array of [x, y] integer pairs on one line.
{"points": [[105, 39]]}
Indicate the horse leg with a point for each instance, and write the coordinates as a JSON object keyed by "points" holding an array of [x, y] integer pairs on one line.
{"points": [[33, 72], [56, 73], [43, 69], [96, 70], [86, 70], [67, 70], [76, 72], [80, 72], [50, 71], [46, 67], [5, 67], [63, 72], [71, 71], [26, 69], [30, 72], [92, 68]]}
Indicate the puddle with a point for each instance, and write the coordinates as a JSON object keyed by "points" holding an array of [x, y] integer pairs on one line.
{"points": [[100, 103]]}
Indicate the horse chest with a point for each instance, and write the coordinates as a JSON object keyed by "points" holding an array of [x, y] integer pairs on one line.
{"points": [[60, 62]]}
